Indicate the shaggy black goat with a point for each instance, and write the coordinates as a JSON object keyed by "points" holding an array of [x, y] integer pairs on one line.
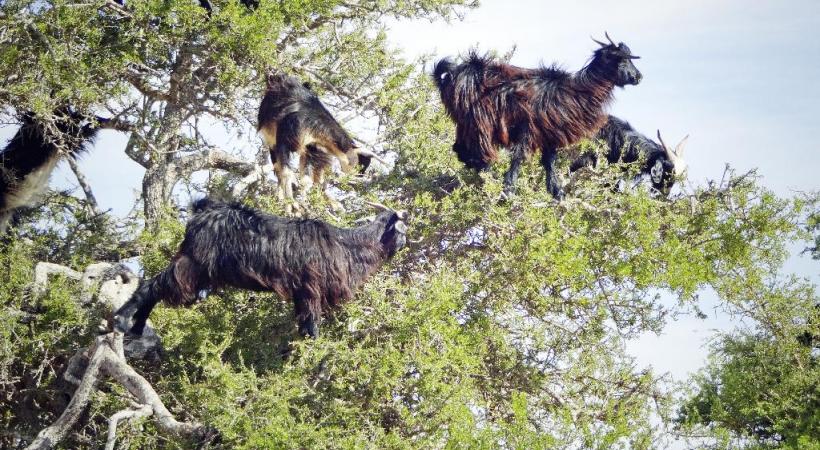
{"points": [[316, 265], [624, 144], [292, 120], [208, 7], [498, 105], [32, 154]]}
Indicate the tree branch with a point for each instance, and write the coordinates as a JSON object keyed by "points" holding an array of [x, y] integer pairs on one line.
{"points": [[107, 357], [144, 88], [211, 159], [43, 269], [126, 414], [56, 432], [86, 187]]}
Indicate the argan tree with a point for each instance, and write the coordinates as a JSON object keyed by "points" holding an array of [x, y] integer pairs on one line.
{"points": [[503, 323]]}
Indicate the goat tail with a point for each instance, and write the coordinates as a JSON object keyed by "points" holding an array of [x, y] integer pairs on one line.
{"points": [[443, 73]]}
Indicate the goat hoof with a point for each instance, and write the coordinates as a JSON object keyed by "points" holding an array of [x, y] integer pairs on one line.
{"points": [[505, 197]]}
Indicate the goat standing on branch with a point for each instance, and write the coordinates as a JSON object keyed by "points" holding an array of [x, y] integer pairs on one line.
{"points": [[663, 164], [316, 265], [292, 120], [32, 154], [498, 105]]}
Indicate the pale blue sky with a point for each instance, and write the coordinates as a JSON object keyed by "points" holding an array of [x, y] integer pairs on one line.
{"points": [[742, 77]]}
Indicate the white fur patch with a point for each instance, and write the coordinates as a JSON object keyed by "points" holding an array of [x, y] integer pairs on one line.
{"points": [[30, 188]]}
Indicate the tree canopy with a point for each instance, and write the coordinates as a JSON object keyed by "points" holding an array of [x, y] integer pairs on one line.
{"points": [[502, 325]]}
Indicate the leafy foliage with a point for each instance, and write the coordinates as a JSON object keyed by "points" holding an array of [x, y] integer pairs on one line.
{"points": [[503, 324]]}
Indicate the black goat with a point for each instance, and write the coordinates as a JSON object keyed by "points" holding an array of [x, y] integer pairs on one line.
{"points": [[292, 120], [208, 7], [316, 265], [624, 144], [498, 105], [32, 154]]}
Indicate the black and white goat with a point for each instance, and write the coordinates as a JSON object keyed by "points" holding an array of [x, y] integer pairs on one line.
{"points": [[32, 154], [662, 164], [314, 264], [293, 121]]}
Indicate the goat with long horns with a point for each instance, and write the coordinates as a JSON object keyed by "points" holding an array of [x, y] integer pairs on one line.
{"points": [[662, 163]]}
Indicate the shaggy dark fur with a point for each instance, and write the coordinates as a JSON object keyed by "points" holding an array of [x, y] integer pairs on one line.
{"points": [[206, 4], [626, 145], [32, 154], [291, 120], [498, 105], [316, 265]]}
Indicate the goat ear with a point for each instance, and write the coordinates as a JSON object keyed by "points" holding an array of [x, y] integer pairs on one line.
{"points": [[681, 146]]}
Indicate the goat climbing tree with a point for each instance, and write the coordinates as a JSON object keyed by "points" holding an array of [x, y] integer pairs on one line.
{"points": [[503, 323]]}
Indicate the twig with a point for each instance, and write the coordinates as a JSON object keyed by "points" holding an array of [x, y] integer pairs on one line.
{"points": [[86, 187], [126, 414]]}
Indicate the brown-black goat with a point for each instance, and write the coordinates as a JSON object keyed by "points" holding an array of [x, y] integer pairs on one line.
{"points": [[292, 120], [498, 105], [624, 144], [208, 7], [32, 154], [314, 264]]}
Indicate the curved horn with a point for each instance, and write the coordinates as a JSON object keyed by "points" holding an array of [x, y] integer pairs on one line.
{"points": [[364, 219], [377, 206], [681, 145], [598, 42], [606, 33], [666, 149], [368, 153]]}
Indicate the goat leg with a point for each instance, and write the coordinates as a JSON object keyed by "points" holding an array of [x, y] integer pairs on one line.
{"points": [[132, 315], [307, 320], [548, 156], [519, 155]]}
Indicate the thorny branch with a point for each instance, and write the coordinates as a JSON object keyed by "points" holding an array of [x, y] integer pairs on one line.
{"points": [[106, 357]]}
